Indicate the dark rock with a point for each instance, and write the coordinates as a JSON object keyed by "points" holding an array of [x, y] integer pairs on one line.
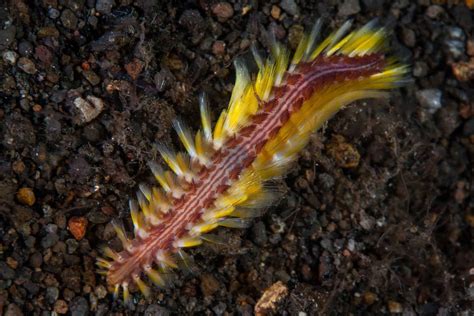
{"points": [[454, 42], [259, 233], [408, 37], [27, 65], [79, 306], [468, 128], [6, 272], [349, 7], [430, 99], [104, 6], [79, 169], [52, 294], [69, 19], [154, 309], [192, 20], [49, 240], [373, 5], [25, 48], [223, 11], [18, 132], [13, 310], [290, 6], [7, 36]]}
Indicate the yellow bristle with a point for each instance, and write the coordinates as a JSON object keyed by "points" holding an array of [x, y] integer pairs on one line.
{"points": [[265, 79], [187, 242], [183, 164], [116, 290], [110, 253], [145, 190], [215, 214], [331, 40], [134, 213], [256, 56], [213, 239], [219, 132], [141, 285], [159, 176], [154, 276], [126, 293], [234, 223], [144, 205], [159, 200], [165, 260], [236, 110], [120, 231], [185, 136], [103, 263], [205, 117], [281, 56], [300, 51], [203, 228], [170, 160]]}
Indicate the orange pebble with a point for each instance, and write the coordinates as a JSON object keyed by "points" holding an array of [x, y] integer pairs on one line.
{"points": [[26, 196], [77, 226]]}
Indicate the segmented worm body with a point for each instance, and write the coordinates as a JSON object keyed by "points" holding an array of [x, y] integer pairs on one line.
{"points": [[221, 180]]}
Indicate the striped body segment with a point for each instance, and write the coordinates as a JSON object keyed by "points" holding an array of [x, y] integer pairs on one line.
{"points": [[221, 180]]}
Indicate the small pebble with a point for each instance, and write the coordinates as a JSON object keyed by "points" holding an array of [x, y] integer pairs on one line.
{"points": [[434, 11], [49, 240], [79, 306], [36, 260], [13, 310], [344, 153], [90, 108], [60, 307], [295, 34], [430, 99], [270, 299], [10, 57], [53, 13], [12, 263], [420, 69], [349, 7], [48, 31], [78, 226], [290, 7], [209, 284], [52, 294], [101, 292], [18, 166], [25, 48], [275, 12], [408, 37], [104, 6], [463, 71], [7, 36], [223, 11], [369, 298], [192, 20], [27, 65], [69, 19], [26, 196], [394, 307], [218, 48], [6, 273], [134, 68], [92, 77], [453, 43]]}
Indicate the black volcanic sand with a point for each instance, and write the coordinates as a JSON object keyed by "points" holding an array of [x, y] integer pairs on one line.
{"points": [[375, 218]]}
